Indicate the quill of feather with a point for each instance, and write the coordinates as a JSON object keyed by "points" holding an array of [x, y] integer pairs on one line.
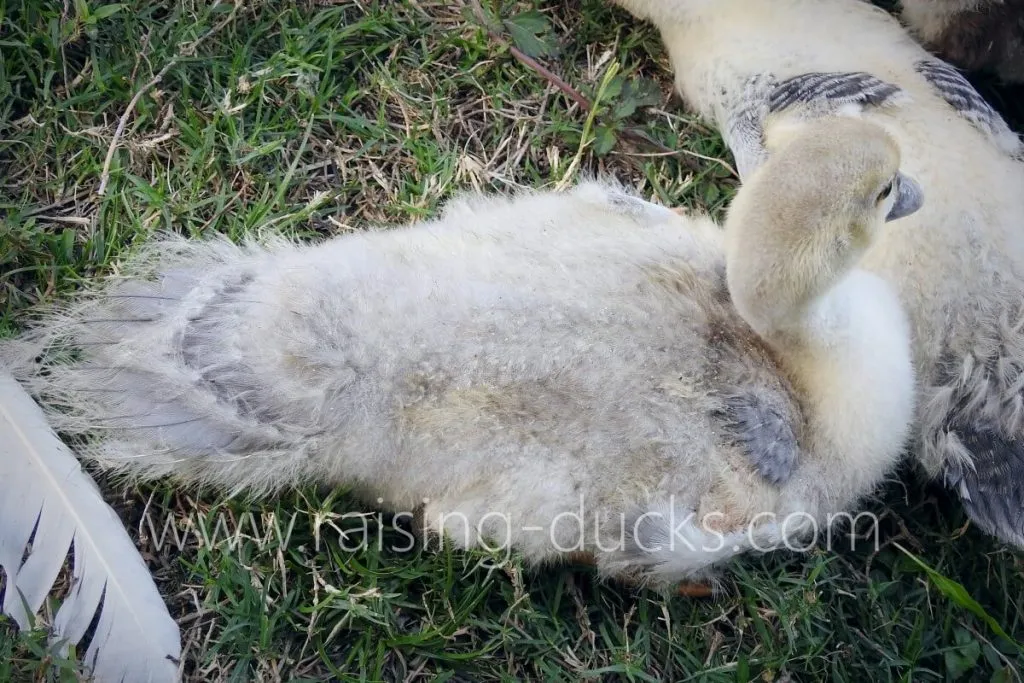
{"points": [[44, 489]]}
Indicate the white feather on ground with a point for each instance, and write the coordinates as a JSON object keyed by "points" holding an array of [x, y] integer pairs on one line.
{"points": [[46, 490]]}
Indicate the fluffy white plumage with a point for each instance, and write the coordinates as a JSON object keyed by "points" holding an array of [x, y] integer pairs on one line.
{"points": [[50, 504]]}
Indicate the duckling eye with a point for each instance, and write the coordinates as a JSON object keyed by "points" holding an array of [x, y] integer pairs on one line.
{"points": [[886, 191]]}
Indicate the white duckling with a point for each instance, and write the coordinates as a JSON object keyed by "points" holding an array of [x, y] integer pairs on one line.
{"points": [[761, 68], [520, 361]]}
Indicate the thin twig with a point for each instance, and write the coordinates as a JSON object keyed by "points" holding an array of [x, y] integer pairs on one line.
{"points": [[123, 121], [679, 153], [550, 76], [186, 50], [572, 93], [60, 203]]}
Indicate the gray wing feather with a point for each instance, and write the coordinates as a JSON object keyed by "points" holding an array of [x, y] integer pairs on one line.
{"points": [[833, 90], [744, 126], [958, 92], [763, 429], [992, 485]]}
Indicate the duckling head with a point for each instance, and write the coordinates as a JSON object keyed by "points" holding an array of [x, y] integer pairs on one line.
{"points": [[807, 215]]}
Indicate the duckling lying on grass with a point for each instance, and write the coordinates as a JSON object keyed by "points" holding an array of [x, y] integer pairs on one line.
{"points": [[958, 264], [521, 360]]}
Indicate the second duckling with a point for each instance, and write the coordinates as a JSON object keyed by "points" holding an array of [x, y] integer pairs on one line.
{"points": [[555, 373], [958, 264], [976, 35]]}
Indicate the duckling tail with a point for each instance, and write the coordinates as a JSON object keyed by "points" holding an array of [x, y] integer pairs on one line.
{"points": [[154, 360]]}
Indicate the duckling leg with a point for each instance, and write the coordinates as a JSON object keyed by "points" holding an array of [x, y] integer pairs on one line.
{"points": [[694, 590]]}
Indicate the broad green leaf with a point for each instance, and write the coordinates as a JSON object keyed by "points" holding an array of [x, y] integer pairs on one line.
{"points": [[962, 659], [106, 11], [529, 32], [1003, 675], [604, 140], [532, 21], [625, 107]]}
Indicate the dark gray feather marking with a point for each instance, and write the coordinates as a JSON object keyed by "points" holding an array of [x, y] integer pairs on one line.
{"points": [[991, 484], [764, 431], [230, 381], [958, 92], [833, 88], [744, 127], [992, 490]]}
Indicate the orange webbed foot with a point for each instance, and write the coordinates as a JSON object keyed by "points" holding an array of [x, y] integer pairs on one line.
{"points": [[694, 590]]}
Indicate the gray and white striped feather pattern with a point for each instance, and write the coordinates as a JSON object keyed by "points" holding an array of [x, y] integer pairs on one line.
{"points": [[958, 92]]}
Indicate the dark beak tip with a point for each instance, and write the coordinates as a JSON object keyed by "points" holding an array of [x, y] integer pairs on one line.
{"points": [[909, 198]]}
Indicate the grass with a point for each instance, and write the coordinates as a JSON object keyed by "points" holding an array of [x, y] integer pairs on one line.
{"points": [[325, 117]]}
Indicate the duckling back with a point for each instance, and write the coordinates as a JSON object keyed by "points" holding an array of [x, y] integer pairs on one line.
{"points": [[412, 362]]}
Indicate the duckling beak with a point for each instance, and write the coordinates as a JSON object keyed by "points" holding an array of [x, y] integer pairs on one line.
{"points": [[909, 197]]}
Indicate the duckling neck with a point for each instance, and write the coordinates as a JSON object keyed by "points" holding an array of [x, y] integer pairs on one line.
{"points": [[852, 363]]}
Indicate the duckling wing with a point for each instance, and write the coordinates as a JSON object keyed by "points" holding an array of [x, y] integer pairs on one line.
{"points": [[992, 485], [757, 410], [752, 407], [977, 439], [745, 122], [958, 92], [761, 424]]}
